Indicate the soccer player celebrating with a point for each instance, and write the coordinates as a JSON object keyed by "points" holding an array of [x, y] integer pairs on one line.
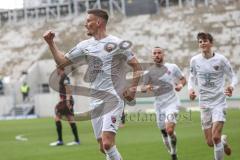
{"points": [[106, 76], [65, 108], [161, 79], [207, 71]]}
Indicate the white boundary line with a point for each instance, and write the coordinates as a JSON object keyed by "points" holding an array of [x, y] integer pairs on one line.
{"points": [[21, 138]]}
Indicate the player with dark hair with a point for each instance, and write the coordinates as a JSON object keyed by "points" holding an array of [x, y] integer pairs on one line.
{"points": [[100, 50], [207, 70], [65, 108], [161, 79]]}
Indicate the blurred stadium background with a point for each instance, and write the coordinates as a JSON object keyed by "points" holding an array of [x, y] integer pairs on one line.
{"points": [[172, 24]]}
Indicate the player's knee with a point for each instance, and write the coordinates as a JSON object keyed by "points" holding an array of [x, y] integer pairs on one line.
{"points": [[209, 143], [216, 139], [106, 146], [170, 131]]}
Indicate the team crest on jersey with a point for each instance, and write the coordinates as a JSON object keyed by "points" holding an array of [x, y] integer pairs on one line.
{"points": [[109, 47], [216, 68], [114, 119]]}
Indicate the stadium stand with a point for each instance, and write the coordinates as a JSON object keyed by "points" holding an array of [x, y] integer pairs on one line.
{"points": [[173, 27]]}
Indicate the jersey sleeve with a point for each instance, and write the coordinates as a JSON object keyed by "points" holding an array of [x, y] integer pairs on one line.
{"points": [[129, 54], [177, 72], [76, 53], [124, 48], [228, 70], [192, 75], [146, 77]]}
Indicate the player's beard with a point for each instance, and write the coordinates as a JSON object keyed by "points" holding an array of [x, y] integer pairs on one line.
{"points": [[89, 34], [158, 61]]}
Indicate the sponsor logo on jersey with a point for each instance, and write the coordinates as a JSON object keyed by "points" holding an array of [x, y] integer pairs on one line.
{"points": [[97, 64], [85, 51], [114, 127], [114, 119]]}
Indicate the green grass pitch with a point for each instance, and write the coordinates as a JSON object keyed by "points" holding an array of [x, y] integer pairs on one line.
{"points": [[138, 140]]}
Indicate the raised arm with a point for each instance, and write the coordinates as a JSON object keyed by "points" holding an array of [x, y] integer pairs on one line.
{"points": [[58, 55]]}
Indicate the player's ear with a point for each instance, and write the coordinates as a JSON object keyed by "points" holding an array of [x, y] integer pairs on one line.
{"points": [[98, 22]]}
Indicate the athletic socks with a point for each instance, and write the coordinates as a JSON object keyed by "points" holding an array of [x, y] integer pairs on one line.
{"points": [[107, 157], [165, 140], [218, 151], [74, 131], [113, 153], [73, 127], [59, 130], [173, 143]]}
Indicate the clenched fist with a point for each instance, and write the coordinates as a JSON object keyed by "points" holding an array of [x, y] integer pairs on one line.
{"points": [[129, 93], [228, 91], [49, 36]]}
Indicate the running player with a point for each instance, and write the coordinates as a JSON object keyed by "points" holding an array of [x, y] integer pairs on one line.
{"points": [[161, 79], [106, 76], [207, 70]]}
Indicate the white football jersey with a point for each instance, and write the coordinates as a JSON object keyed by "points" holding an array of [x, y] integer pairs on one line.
{"points": [[208, 75], [106, 64], [164, 80]]}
